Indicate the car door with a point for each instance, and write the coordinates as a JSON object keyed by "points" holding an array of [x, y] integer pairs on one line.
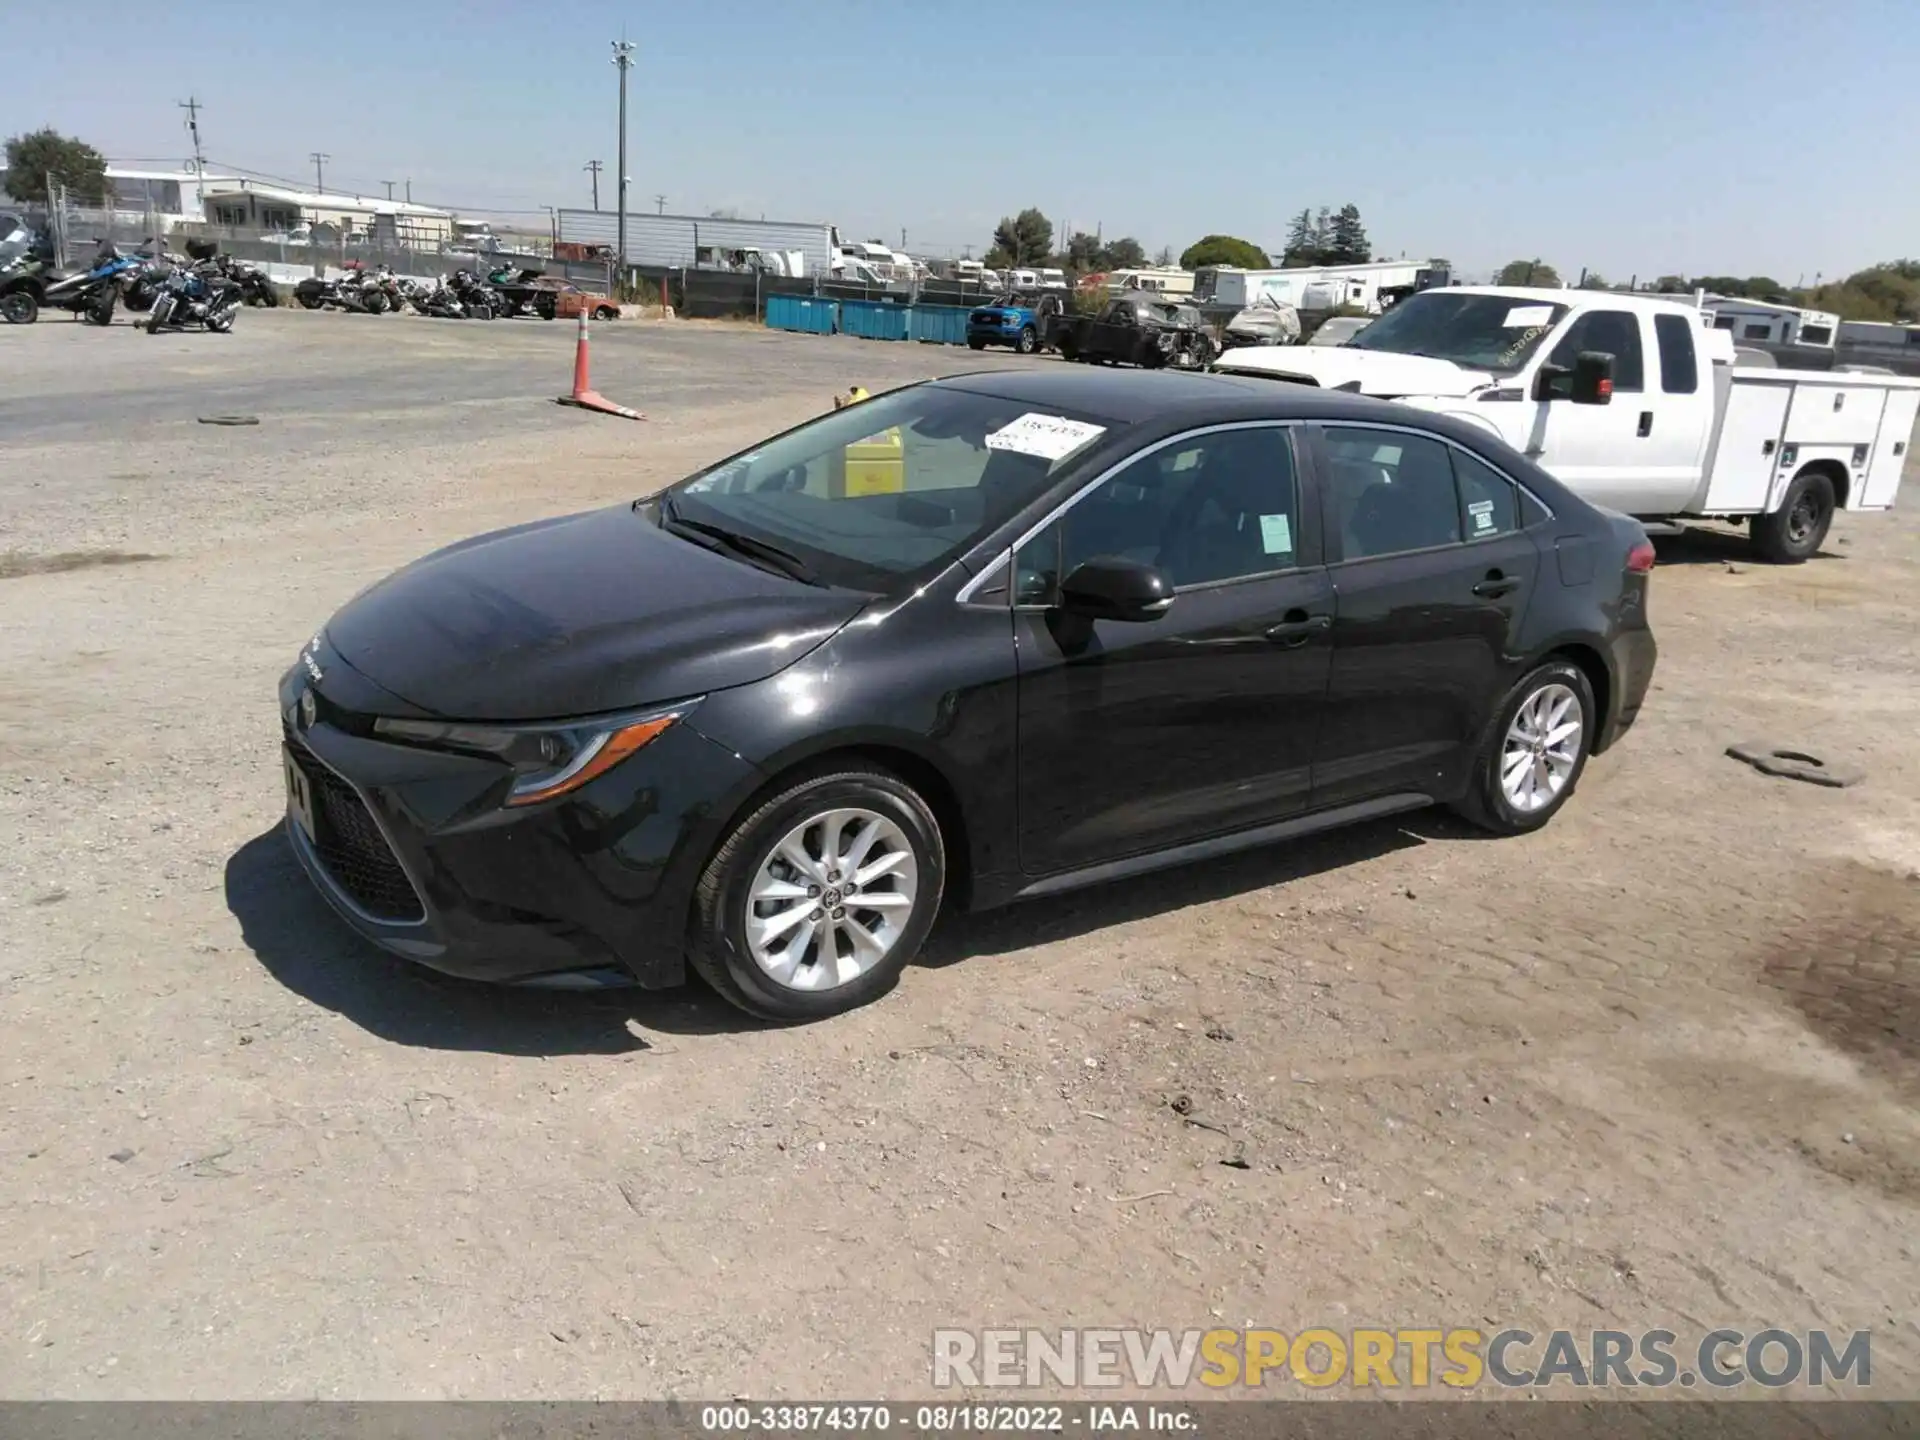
{"points": [[1113, 331], [1432, 567], [1602, 451], [1137, 736]]}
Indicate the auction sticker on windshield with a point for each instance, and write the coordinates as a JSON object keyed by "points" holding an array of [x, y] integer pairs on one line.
{"points": [[1523, 317], [1051, 437]]}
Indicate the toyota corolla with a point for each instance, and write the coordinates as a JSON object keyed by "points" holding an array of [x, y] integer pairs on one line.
{"points": [[971, 641]]}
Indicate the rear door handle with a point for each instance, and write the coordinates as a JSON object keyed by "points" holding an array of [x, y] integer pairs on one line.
{"points": [[1297, 628], [1495, 585], [1646, 423]]}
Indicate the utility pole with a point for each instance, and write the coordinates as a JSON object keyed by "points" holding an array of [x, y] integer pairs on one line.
{"points": [[319, 172], [192, 107], [593, 168], [409, 190], [903, 239], [659, 204], [389, 185], [623, 62]]}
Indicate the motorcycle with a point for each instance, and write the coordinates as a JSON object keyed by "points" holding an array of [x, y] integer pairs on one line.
{"points": [[480, 300], [200, 294], [352, 294], [256, 286], [93, 293], [443, 302]]}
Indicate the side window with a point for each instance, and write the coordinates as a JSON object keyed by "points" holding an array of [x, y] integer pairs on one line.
{"points": [[1679, 368], [1390, 492], [1757, 330], [1222, 506], [1489, 502], [1615, 333]]}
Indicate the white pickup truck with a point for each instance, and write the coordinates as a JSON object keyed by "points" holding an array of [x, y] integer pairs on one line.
{"points": [[1632, 401]]}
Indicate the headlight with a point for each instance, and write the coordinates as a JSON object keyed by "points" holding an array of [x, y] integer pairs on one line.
{"points": [[547, 760]]}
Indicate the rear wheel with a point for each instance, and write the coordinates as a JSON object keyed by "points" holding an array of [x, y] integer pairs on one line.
{"points": [[19, 307], [220, 321], [375, 301], [820, 897], [308, 299], [1534, 753], [1793, 534], [606, 312], [100, 312]]}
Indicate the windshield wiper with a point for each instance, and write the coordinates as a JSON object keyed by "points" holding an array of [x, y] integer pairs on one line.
{"points": [[761, 552]]}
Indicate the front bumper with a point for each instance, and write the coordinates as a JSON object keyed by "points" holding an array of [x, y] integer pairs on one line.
{"points": [[414, 852]]}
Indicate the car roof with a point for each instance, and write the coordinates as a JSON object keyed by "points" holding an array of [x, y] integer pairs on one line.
{"points": [[1143, 397]]}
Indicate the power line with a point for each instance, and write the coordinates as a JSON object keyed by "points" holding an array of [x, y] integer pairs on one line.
{"points": [[593, 167]]}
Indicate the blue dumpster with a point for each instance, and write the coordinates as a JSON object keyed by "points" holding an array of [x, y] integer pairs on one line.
{"points": [[940, 324], [874, 319], [805, 313]]}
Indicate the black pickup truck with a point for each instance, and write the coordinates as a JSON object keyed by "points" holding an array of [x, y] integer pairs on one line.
{"points": [[1137, 329]]}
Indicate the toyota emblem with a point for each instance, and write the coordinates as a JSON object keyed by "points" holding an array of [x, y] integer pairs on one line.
{"points": [[307, 710]]}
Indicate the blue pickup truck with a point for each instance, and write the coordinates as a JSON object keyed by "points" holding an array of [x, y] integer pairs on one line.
{"points": [[1009, 321]]}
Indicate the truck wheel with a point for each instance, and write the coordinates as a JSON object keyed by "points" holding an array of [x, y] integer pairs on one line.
{"points": [[1028, 341], [976, 344], [1069, 348], [1792, 534]]}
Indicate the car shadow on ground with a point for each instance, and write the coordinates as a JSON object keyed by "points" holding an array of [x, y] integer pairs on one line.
{"points": [[1706, 545], [296, 936]]}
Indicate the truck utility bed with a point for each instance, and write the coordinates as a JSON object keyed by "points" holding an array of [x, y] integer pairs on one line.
{"points": [[1770, 424]]}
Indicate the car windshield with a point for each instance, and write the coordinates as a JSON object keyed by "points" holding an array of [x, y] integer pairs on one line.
{"points": [[887, 491], [1482, 332]]}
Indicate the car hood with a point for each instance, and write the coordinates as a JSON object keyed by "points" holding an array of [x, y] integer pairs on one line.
{"points": [[1378, 372], [578, 615]]}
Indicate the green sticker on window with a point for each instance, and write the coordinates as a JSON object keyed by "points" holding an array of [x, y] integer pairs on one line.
{"points": [[1276, 534]]}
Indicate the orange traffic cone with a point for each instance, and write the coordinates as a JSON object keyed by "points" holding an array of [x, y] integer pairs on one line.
{"points": [[584, 395]]}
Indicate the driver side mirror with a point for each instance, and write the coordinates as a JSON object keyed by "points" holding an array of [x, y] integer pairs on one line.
{"points": [[1110, 588], [1589, 381]]}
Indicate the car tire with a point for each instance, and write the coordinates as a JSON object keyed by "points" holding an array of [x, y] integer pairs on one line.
{"points": [[606, 312], [1490, 802], [1794, 533], [976, 344], [1028, 342], [721, 948]]}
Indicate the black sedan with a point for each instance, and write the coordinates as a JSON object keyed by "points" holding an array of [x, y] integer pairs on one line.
{"points": [[975, 640]]}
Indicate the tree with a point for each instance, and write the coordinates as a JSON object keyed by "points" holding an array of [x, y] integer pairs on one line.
{"points": [[32, 157], [1672, 285], [1528, 272], [1593, 280], [1301, 246], [1163, 257], [1027, 238], [1082, 252], [1348, 243], [1223, 250], [1126, 253], [997, 259], [1323, 232]]}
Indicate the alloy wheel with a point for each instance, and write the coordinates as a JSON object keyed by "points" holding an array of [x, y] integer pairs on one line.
{"points": [[1542, 748], [831, 899]]}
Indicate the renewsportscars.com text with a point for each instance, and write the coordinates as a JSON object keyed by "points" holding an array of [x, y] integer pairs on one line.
{"points": [[1381, 1359]]}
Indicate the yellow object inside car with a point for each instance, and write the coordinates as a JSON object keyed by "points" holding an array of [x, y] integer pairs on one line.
{"points": [[877, 465]]}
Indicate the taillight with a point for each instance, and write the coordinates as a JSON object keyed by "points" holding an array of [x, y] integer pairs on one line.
{"points": [[1640, 558]]}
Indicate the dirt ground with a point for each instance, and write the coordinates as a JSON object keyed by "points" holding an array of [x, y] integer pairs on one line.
{"points": [[1656, 1066]]}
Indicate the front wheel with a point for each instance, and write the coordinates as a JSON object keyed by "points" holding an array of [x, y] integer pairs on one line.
{"points": [[100, 312], [1793, 534], [375, 302], [976, 344], [1534, 753], [19, 307], [1028, 342], [820, 897], [481, 311], [221, 321], [606, 312], [161, 313], [308, 299]]}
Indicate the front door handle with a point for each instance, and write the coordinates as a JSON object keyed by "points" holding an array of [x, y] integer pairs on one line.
{"points": [[1646, 423], [1297, 627], [1496, 585]]}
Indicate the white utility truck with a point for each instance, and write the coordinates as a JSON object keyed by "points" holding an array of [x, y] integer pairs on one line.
{"points": [[1632, 401]]}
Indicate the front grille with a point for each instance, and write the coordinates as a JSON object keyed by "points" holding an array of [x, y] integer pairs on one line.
{"points": [[351, 848]]}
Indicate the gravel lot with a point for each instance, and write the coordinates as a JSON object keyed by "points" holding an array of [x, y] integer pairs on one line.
{"points": [[1656, 1066]]}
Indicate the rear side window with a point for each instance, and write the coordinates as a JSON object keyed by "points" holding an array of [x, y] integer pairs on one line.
{"points": [[1679, 369], [1391, 491], [1489, 502], [1611, 332]]}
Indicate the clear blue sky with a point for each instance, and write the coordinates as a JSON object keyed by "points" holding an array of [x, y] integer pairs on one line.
{"points": [[1742, 136]]}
